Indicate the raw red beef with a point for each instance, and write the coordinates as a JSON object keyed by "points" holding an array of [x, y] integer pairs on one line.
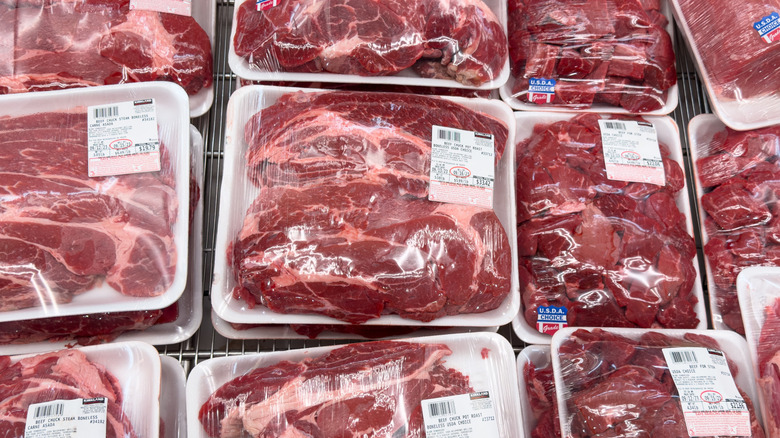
{"points": [[540, 389], [54, 44], [614, 253], [74, 230], [62, 375], [435, 91], [454, 39], [740, 174], [617, 386], [613, 52], [342, 225], [740, 65], [769, 367], [362, 390]]}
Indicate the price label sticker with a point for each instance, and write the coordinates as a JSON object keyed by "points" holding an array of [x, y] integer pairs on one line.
{"points": [[460, 416], [462, 167], [79, 418], [178, 7], [631, 152]]}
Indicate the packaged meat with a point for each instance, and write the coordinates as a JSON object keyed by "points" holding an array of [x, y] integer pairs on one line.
{"points": [[759, 297], [458, 43], [173, 418], [175, 323], [60, 44], [103, 243], [658, 383], [332, 331], [737, 177], [608, 56], [324, 390], [537, 392], [737, 55], [435, 91], [378, 251], [601, 252], [124, 376]]}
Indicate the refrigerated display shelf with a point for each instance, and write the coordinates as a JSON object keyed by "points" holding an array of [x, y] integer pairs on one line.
{"points": [[207, 343]]}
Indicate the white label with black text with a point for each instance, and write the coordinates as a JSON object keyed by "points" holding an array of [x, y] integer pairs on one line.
{"points": [[462, 167], [79, 418], [460, 416], [711, 402], [123, 138], [631, 151]]}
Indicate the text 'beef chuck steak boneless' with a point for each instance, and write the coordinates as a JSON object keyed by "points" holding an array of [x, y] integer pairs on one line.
{"points": [[54, 44], [342, 225], [451, 39], [373, 389], [62, 232], [614, 253], [63, 375]]}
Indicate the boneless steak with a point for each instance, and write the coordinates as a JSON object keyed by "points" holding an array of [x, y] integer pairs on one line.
{"points": [[62, 233], [373, 389], [54, 44], [457, 39], [62, 375], [342, 225]]}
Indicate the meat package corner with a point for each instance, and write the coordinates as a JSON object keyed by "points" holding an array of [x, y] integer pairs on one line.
{"points": [[330, 203]]}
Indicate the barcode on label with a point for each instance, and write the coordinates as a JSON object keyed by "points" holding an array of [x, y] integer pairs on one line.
{"points": [[106, 111], [615, 125], [446, 407], [449, 135], [49, 410], [683, 356]]}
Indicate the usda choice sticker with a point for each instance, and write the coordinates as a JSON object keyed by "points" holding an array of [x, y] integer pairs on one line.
{"points": [[541, 90], [768, 27], [711, 402], [460, 416], [631, 152], [462, 167], [79, 418], [263, 5], [550, 319], [122, 138]]}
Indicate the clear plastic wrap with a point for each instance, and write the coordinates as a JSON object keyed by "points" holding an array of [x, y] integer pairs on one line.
{"points": [[458, 43], [56, 44], [537, 392], [737, 181], [330, 391], [98, 244], [616, 382], [613, 253], [612, 55], [173, 324], [173, 417], [376, 246], [740, 69], [435, 91], [759, 297], [126, 374]]}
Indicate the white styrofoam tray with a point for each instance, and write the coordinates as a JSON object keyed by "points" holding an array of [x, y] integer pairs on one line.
{"points": [[191, 301], [757, 289], [136, 366], [672, 94], [731, 344], [238, 194], [172, 398], [492, 370], [205, 14], [243, 69], [539, 357], [283, 331], [742, 115], [669, 135], [173, 120]]}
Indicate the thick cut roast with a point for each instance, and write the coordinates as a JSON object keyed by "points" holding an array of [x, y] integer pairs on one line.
{"points": [[769, 367], [457, 39], [62, 233], [62, 375], [54, 44], [739, 63], [342, 225], [367, 390], [614, 52], [619, 387], [614, 253], [740, 174]]}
